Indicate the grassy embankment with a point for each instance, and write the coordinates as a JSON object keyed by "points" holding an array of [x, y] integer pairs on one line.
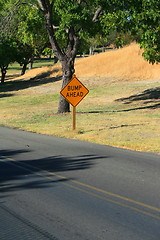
{"points": [[123, 113]]}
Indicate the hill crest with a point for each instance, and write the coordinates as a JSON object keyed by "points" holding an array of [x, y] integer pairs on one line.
{"points": [[122, 63]]}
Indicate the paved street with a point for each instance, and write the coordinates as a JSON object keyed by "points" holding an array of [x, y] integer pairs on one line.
{"points": [[55, 188]]}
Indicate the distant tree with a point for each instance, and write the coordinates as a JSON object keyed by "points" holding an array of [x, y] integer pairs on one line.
{"points": [[97, 43], [7, 11], [7, 46], [8, 54], [11, 48], [24, 56], [31, 29], [26, 28], [47, 52], [120, 39]]}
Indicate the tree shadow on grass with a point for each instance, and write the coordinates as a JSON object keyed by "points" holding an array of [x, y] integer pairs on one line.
{"points": [[6, 95], [148, 96], [29, 174], [11, 76], [40, 79]]}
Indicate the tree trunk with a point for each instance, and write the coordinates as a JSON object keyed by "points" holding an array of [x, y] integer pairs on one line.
{"points": [[31, 63], [67, 56], [68, 70], [24, 69], [3, 72], [66, 59]]}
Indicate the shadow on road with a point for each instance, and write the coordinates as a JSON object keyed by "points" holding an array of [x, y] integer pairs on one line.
{"points": [[22, 174]]}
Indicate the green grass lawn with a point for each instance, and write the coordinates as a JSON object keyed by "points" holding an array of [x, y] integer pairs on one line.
{"points": [[16, 68], [122, 114]]}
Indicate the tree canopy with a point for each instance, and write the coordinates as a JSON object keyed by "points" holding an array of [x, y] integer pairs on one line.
{"points": [[7, 55], [147, 18], [25, 29], [141, 18]]}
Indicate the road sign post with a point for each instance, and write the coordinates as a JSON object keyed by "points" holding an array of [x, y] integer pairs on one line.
{"points": [[74, 92], [73, 118]]}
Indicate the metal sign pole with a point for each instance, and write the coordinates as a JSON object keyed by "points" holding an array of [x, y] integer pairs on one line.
{"points": [[73, 118]]}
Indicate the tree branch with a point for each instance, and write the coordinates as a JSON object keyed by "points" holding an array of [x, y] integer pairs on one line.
{"points": [[41, 5], [55, 27], [52, 3], [73, 42], [30, 4], [96, 15]]}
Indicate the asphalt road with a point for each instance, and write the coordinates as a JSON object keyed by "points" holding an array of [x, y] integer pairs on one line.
{"points": [[54, 188]]}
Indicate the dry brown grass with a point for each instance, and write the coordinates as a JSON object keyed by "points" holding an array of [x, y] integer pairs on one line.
{"points": [[126, 63], [56, 69]]}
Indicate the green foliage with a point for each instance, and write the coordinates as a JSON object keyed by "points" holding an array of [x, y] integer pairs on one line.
{"points": [[150, 41], [8, 23], [141, 18], [120, 39], [8, 54], [148, 24], [31, 29], [24, 53], [72, 14], [8, 51], [47, 52], [115, 21]]}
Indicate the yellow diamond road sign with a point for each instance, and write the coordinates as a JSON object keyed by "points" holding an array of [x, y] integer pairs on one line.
{"points": [[74, 91]]}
